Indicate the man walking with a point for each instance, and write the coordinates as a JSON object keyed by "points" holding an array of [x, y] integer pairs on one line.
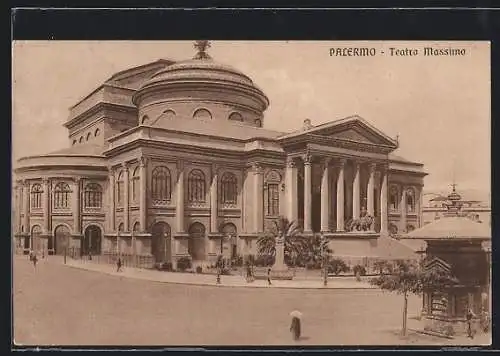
{"points": [[470, 314], [119, 265], [35, 260], [269, 276]]}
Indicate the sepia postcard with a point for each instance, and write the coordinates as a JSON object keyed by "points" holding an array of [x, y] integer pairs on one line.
{"points": [[251, 193]]}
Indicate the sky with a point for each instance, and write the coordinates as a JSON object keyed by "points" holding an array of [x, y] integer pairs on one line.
{"points": [[438, 106]]}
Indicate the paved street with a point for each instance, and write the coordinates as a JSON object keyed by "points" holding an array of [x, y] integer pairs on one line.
{"points": [[60, 305]]}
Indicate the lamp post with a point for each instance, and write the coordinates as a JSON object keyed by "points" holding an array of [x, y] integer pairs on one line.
{"points": [[325, 267]]}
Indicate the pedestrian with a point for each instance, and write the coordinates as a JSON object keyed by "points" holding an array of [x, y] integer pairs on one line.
{"points": [[119, 265], [295, 327], [35, 260], [470, 314], [269, 276]]}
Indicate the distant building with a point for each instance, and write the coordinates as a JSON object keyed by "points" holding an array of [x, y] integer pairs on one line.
{"points": [[170, 159], [437, 206]]}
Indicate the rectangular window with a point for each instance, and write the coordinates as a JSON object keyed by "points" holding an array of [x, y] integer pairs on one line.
{"points": [[273, 200]]}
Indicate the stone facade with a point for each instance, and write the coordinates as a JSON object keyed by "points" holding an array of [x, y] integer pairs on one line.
{"points": [[170, 159]]}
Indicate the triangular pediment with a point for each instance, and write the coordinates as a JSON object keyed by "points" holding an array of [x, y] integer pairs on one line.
{"points": [[354, 129], [438, 265]]}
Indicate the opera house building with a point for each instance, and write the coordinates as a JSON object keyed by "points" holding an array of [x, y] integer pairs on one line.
{"points": [[172, 159]]}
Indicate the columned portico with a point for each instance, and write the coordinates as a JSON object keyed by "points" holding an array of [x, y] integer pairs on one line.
{"points": [[291, 183], [258, 198], [383, 202], [402, 207]]}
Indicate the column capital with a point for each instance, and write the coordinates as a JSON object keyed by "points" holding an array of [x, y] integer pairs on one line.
{"points": [[180, 164], [125, 166], [372, 167], [45, 181], [214, 167], [290, 162], [257, 168], [143, 161], [341, 162], [307, 158], [77, 179]]}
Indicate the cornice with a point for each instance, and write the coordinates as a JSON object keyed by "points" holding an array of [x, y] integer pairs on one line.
{"points": [[102, 105]]}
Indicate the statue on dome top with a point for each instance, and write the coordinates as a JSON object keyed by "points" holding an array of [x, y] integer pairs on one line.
{"points": [[202, 46]]}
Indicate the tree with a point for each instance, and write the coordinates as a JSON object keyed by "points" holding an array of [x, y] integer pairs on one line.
{"points": [[411, 277], [295, 243], [337, 266], [316, 250]]}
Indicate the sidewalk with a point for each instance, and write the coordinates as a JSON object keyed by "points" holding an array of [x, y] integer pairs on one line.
{"points": [[210, 279]]}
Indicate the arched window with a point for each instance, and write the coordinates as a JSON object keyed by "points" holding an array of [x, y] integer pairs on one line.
{"points": [[74, 142], [203, 114], [93, 195], [161, 188], [145, 120], [236, 116], [119, 188], [121, 227], [258, 123], [81, 139], [229, 188], [137, 227], [88, 136], [135, 185], [272, 182], [168, 114], [97, 132], [196, 186], [36, 196], [410, 200], [393, 198], [62, 194]]}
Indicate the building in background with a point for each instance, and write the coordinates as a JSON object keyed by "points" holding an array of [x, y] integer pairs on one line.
{"points": [[436, 206], [171, 159]]}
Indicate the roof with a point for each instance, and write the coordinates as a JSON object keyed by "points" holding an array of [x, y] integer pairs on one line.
{"points": [[394, 157], [78, 150], [453, 227], [220, 128]]}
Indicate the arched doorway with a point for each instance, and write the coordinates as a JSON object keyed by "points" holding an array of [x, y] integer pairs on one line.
{"points": [[35, 243], [61, 240], [91, 242], [196, 243], [161, 242], [229, 233]]}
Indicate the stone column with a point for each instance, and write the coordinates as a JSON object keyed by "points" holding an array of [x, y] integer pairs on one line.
{"points": [[325, 197], [369, 194], [383, 202], [419, 206], [356, 192], [126, 207], [402, 210], [112, 201], [179, 211], [340, 196], [46, 206], [307, 193], [213, 201], [143, 207], [26, 207], [291, 190], [258, 198], [76, 206], [19, 205]]}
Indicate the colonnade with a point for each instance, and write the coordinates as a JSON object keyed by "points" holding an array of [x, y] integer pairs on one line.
{"points": [[339, 164]]}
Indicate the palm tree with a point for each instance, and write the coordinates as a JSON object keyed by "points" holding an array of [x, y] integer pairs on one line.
{"points": [[295, 244]]}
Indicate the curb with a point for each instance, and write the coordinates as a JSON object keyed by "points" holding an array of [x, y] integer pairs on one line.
{"points": [[219, 285]]}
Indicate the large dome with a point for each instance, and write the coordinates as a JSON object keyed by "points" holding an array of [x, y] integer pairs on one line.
{"points": [[198, 83]]}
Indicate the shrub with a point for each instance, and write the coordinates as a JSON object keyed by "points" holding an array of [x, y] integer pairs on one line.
{"points": [[199, 269], [237, 261], [183, 263], [264, 261], [166, 266], [337, 266], [358, 269]]}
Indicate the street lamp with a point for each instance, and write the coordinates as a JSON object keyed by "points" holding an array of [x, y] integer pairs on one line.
{"points": [[325, 267]]}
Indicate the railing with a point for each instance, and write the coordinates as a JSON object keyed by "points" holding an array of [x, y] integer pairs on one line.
{"points": [[111, 258]]}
